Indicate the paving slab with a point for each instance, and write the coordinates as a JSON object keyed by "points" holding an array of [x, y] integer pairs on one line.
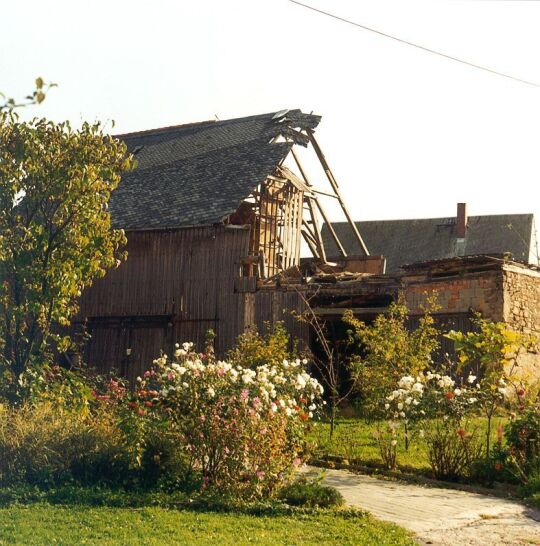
{"points": [[436, 515]]}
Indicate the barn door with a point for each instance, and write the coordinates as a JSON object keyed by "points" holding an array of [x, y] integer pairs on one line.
{"points": [[145, 345], [126, 349], [106, 348]]}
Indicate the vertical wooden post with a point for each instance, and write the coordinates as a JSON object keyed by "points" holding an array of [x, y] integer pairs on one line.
{"points": [[316, 229], [340, 247]]}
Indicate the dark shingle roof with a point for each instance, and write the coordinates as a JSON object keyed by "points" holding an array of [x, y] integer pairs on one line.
{"points": [[199, 173], [408, 241]]}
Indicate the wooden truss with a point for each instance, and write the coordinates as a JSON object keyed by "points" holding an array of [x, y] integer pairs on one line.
{"points": [[286, 208]]}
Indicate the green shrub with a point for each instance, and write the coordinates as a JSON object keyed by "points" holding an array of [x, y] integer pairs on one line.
{"points": [[388, 350], [452, 451], [192, 423], [43, 445], [271, 348], [69, 494], [532, 487], [523, 440], [163, 463], [499, 467], [311, 494]]}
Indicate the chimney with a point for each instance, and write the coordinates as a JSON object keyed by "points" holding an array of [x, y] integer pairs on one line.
{"points": [[461, 220]]}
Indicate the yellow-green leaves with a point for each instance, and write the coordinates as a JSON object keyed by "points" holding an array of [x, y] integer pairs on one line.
{"points": [[489, 348], [55, 182], [37, 97], [388, 350]]}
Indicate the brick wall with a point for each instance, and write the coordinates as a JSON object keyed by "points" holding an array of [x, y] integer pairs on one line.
{"points": [[509, 293], [459, 294]]}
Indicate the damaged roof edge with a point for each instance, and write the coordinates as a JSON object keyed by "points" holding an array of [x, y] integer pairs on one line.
{"points": [[303, 121], [199, 173], [455, 261], [217, 225]]}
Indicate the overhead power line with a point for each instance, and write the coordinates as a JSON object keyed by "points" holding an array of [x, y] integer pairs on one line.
{"points": [[406, 42]]}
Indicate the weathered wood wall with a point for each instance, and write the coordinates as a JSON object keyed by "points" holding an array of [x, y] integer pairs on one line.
{"points": [[174, 287]]}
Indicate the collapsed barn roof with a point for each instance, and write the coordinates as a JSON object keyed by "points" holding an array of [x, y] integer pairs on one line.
{"points": [[407, 241], [198, 174]]}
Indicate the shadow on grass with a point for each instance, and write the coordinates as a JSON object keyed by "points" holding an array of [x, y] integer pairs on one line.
{"points": [[140, 499]]}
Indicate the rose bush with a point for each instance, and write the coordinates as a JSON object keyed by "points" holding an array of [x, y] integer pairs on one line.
{"points": [[432, 395], [434, 406], [240, 429]]}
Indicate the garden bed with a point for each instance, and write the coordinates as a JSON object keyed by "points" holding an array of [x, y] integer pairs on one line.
{"points": [[354, 439]]}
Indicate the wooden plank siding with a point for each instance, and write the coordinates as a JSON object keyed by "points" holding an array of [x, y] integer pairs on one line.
{"points": [[174, 287], [176, 272]]}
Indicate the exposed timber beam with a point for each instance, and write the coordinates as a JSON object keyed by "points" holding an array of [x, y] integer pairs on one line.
{"points": [[340, 247], [335, 187], [309, 232], [326, 194], [316, 228], [308, 237]]}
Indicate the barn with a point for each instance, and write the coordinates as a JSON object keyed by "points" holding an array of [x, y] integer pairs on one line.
{"points": [[213, 214], [217, 215]]}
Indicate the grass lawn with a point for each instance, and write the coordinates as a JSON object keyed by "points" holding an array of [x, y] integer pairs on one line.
{"points": [[47, 524], [354, 439]]}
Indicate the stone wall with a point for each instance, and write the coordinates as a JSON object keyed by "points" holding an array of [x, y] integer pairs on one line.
{"points": [[522, 299], [522, 312], [508, 293]]}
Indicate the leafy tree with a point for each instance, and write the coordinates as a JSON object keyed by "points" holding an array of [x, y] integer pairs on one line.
{"points": [[388, 350], [490, 350], [55, 231]]}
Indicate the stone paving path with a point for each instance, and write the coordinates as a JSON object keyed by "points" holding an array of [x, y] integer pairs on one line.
{"points": [[439, 516]]}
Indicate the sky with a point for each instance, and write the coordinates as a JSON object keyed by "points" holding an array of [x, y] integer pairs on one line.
{"points": [[407, 133]]}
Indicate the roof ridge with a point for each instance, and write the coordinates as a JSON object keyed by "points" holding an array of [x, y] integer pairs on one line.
{"points": [[189, 125], [440, 218], [166, 128]]}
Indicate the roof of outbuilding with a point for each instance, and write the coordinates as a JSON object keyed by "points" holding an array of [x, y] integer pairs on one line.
{"points": [[409, 241], [199, 173]]}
